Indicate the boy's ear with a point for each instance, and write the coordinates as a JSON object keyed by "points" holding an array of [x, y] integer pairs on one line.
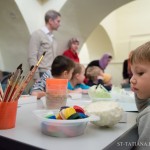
{"points": [[50, 21], [65, 73]]}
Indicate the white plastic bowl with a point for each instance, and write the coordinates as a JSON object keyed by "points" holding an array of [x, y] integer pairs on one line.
{"points": [[62, 128], [110, 112]]}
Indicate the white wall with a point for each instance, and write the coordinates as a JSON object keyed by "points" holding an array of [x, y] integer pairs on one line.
{"points": [[33, 11], [132, 30], [1, 58], [13, 37], [53, 4], [97, 44], [132, 27], [126, 28]]}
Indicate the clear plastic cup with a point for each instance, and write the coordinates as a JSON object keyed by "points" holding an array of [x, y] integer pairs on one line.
{"points": [[56, 93]]}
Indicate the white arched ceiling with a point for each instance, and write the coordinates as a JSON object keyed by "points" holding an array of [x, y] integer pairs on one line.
{"points": [[97, 44], [14, 36], [128, 27], [79, 18]]}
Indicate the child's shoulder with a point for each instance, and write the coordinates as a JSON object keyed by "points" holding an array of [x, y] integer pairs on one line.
{"points": [[144, 115]]}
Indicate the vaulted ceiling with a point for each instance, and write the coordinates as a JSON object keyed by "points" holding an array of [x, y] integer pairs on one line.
{"points": [[80, 17]]}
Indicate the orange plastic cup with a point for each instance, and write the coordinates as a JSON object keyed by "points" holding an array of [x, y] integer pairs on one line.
{"points": [[56, 93], [8, 111]]}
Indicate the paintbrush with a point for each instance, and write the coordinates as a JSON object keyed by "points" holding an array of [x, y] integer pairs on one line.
{"points": [[97, 85], [20, 85], [8, 87], [104, 88], [11, 81], [1, 93], [28, 78], [13, 88]]}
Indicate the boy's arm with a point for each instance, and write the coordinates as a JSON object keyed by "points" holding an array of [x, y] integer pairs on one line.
{"points": [[38, 94], [39, 87]]}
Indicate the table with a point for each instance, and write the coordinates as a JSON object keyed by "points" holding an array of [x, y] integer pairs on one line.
{"points": [[27, 132]]}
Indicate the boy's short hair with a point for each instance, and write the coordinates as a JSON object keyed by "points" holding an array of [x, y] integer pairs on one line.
{"points": [[141, 54], [93, 72], [61, 64]]}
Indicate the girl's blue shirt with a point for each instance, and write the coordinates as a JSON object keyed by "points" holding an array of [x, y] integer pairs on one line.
{"points": [[82, 86]]}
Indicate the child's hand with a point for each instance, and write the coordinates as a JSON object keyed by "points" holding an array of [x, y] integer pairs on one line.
{"points": [[39, 94], [100, 77], [84, 91], [108, 84], [79, 90]]}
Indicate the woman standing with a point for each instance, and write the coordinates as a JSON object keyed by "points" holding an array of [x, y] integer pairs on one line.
{"points": [[71, 52], [102, 62]]}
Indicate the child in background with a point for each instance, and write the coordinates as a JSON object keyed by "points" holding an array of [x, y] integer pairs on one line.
{"points": [[96, 76], [140, 84], [76, 83], [102, 63], [126, 73], [62, 68]]}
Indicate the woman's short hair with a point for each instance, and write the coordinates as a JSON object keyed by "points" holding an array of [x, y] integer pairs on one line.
{"points": [[71, 41]]}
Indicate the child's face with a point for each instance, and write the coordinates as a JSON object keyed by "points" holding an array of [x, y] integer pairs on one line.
{"points": [[81, 76], [140, 81]]}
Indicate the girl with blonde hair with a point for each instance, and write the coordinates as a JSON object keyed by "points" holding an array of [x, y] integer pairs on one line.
{"points": [[76, 82], [96, 76]]}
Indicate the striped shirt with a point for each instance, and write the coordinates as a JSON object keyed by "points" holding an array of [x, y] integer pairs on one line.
{"points": [[40, 84]]}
